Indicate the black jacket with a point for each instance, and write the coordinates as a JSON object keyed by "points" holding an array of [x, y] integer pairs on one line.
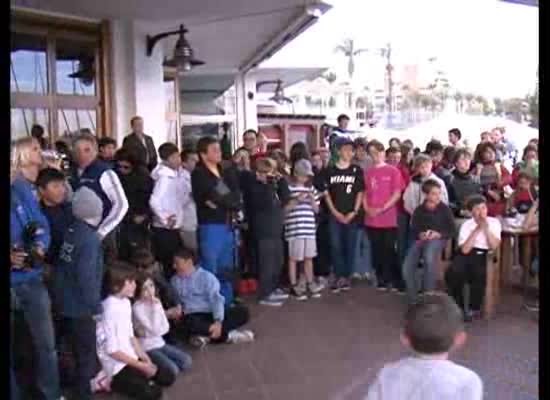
{"points": [[440, 220], [147, 152], [138, 187]]}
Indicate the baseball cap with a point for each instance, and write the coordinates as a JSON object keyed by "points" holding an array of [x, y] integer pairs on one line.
{"points": [[303, 168], [342, 141]]}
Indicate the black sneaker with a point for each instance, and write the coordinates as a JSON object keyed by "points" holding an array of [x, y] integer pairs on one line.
{"points": [[382, 287], [298, 293]]}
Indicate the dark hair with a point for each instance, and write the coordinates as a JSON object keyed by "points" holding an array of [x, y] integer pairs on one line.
{"points": [[185, 154], [433, 145], [483, 147], [525, 175], [408, 142], [394, 139], [391, 150], [166, 150], [432, 323], [128, 155], [141, 278], [416, 151], [106, 141], [449, 154], [456, 132], [142, 258], [118, 274], [461, 153], [361, 142], [185, 254], [134, 119], [37, 131], [62, 147], [420, 159], [342, 117], [298, 151], [250, 131], [48, 175], [204, 142], [529, 148], [378, 146], [429, 185], [475, 200]]}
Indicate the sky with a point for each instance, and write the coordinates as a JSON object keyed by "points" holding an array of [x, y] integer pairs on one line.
{"points": [[487, 47]]}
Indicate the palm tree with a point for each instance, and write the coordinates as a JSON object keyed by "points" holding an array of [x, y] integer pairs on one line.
{"points": [[330, 77], [347, 47]]}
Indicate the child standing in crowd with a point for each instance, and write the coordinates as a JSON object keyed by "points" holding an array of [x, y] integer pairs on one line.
{"points": [[462, 183], [126, 365], [321, 263], [265, 196], [166, 204], [78, 276], [151, 324], [432, 225], [300, 228], [477, 236], [422, 171], [52, 190], [383, 187], [344, 196], [433, 328], [403, 218], [206, 319], [188, 230], [107, 150]]}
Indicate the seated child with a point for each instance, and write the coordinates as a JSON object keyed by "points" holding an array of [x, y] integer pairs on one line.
{"points": [[206, 319], [524, 196], [432, 225], [433, 327], [129, 368], [151, 324]]}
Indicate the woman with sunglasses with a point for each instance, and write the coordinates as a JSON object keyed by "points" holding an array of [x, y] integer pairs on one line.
{"points": [[138, 187]]}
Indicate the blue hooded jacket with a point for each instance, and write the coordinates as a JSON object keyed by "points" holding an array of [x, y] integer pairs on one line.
{"points": [[24, 209], [78, 272]]}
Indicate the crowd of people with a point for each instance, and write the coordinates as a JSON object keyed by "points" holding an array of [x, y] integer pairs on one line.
{"points": [[120, 254]]}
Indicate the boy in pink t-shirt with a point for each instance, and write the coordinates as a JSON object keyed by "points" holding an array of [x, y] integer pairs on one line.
{"points": [[383, 188]]}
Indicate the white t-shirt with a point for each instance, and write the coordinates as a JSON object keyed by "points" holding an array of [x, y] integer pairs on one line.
{"points": [[114, 331], [481, 240], [417, 378], [151, 320]]}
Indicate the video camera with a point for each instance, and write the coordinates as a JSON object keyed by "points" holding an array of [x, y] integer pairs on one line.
{"points": [[55, 156]]}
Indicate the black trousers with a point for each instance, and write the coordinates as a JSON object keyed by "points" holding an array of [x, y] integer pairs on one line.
{"points": [[165, 243], [321, 263], [132, 383], [81, 333], [131, 237], [271, 252], [199, 323], [468, 269], [384, 256]]}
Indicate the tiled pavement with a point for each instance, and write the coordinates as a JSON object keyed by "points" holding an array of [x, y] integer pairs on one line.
{"points": [[331, 349]]}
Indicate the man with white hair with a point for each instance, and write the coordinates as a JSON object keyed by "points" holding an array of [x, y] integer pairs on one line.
{"points": [[90, 172]]}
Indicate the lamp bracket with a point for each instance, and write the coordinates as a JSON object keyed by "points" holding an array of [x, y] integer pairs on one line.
{"points": [[152, 40]]}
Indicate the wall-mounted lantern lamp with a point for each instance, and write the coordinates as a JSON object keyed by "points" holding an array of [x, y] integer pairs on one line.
{"points": [[183, 58]]}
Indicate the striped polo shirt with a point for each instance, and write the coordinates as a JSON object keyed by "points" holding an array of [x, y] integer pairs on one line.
{"points": [[300, 220]]}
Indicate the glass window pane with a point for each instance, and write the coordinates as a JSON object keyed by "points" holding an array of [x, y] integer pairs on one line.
{"points": [[71, 122], [28, 64], [22, 120], [75, 68]]}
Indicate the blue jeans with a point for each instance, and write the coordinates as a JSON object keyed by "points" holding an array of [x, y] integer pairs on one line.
{"points": [[171, 359], [364, 253], [217, 247], [403, 236], [430, 250], [34, 302], [343, 247]]}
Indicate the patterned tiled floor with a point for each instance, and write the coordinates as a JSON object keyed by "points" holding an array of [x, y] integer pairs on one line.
{"points": [[331, 348]]}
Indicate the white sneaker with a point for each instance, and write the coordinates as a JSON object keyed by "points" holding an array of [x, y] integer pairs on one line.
{"points": [[357, 276], [314, 290], [271, 301], [322, 282], [244, 336], [279, 294], [199, 342]]}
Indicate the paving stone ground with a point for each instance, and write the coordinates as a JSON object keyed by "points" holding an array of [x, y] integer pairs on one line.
{"points": [[331, 349]]}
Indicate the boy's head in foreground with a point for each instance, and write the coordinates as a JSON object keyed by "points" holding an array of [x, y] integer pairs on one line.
{"points": [[433, 325], [122, 279], [184, 262]]}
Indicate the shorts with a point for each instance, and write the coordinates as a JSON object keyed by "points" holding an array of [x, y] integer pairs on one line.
{"points": [[300, 249]]}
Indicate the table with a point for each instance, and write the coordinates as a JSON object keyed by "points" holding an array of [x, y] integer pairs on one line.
{"points": [[510, 251]]}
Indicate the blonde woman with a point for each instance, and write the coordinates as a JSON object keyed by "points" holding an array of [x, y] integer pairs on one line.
{"points": [[29, 240]]}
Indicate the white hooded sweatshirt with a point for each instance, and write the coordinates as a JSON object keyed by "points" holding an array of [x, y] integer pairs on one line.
{"points": [[166, 199]]}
